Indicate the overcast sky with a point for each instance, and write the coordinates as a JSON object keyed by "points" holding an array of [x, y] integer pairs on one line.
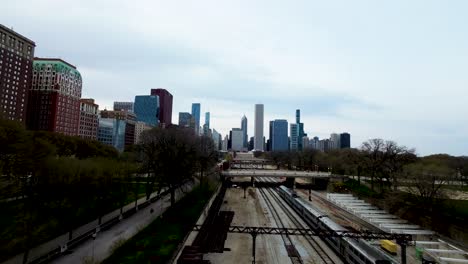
{"points": [[391, 69]]}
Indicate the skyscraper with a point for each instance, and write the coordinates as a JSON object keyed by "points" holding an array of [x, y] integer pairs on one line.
{"points": [[294, 135], [128, 127], [185, 119], [196, 117], [165, 105], [123, 106], [147, 109], [279, 135], [300, 132], [258, 128], [244, 130], [237, 139], [334, 141], [345, 140], [207, 119], [54, 97], [16, 53]]}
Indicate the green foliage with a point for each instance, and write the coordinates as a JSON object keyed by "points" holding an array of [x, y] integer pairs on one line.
{"points": [[361, 190], [158, 241]]}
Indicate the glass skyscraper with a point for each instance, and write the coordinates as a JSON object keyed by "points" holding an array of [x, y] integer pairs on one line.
{"points": [[196, 117], [147, 109], [111, 131], [279, 135]]}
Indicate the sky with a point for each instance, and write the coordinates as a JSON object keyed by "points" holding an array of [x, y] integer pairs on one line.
{"points": [[396, 70]]}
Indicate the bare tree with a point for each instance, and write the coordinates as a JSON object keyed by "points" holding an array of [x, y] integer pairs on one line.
{"points": [[206, 156], [170, 157], [426, 180], [395, 158], [373, 153]]}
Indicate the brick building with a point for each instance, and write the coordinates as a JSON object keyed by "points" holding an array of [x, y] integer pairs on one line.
{"points": [[89, 119]]}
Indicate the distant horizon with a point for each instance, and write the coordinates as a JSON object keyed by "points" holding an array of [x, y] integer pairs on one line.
{"points": [[393, 70]]}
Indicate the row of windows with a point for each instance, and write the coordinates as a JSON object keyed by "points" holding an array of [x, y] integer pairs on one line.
{"points": [[13, 42]]}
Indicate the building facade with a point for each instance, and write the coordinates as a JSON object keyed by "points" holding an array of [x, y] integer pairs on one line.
{"points": [[89, 119], [126, 124], [123, 106], [165, 105], [334, 141], [258, 128], [147, 109], [16, 70], [196, 117], [237, 139], [185, 119], [244, 130], [294, 137], [345, 140], [279, 135], [54, 97], [111, 132], [139, 128]]}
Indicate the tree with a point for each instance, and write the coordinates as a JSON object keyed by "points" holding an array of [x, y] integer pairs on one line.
{"points": [[170, 157], [206, 156], [426, 178], [373, 154], [395, 158]]}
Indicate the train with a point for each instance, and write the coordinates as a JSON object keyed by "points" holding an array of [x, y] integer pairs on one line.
{"points": [[351, 250]]}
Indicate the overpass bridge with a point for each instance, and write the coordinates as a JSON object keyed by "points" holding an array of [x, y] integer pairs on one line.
{"points": [[275, 173]]}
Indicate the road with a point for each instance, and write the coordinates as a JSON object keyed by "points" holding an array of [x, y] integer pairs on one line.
{"points": [[95, 251]]}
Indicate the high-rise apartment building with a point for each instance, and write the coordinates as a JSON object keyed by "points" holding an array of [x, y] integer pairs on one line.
{"points": [[147, 109], [111, 132], [196, 116], [54, 97], [345, 140], [123, 106], [279, 135], [89, 119], [258, 128], [300, 132], [216, 139], [244, 130], [207, 119], [16, 69], [206, 126], [165, 105]]}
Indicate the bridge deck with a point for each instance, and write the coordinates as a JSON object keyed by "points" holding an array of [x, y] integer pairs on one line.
{"points": [[274, 173]]}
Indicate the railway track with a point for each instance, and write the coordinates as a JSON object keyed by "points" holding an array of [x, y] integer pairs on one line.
{"points": [[314, 242], [270, 196], [292, 251]]}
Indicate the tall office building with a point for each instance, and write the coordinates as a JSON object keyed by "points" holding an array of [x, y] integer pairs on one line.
{"points": [[16, 70], [345, 140], [244, 130], [279, 135], [300, 132], [258, 128], [111, 132], [294, 137], [196, 117], [165, 105], [147, 109], [89, 119], [334, 141], [128, 128], [123, 106], [305, 143], [54, 97], [237, 139], [206, 126], [216, 139], [185, 119]]}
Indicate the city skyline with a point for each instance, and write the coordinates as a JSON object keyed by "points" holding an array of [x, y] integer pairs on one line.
{"points": [[398, 79]]}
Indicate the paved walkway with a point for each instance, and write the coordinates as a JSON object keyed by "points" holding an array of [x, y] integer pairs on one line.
{"points": [[95, 251]]}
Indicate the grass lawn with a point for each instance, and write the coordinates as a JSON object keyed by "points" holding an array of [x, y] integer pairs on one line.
{"points": [[158, 241]]}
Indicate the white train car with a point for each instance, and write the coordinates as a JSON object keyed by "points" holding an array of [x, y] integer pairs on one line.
{"points": [[351, 250]]}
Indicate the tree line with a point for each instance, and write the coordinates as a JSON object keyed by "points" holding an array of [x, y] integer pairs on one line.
{"points": [[64, 181], [386, 164]]}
